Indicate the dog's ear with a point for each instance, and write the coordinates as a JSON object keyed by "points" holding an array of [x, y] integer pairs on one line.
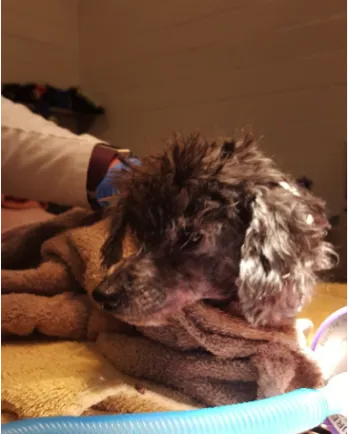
{"points": [[276, 272]]}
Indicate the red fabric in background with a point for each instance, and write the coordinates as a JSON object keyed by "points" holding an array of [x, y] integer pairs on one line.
{"points": [[11, 202]]}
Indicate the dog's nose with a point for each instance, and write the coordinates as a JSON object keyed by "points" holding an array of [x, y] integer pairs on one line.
{"points": [[100, 295], [106, 300]]}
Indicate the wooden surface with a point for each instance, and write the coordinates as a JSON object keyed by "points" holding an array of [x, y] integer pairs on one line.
{"points": [[328, 298]]}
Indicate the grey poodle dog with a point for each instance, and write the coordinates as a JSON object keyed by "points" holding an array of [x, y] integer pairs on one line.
{"points": [[213, 222]]}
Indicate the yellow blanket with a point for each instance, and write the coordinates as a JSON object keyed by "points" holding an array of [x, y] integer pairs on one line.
{"points": [[72, 378]]}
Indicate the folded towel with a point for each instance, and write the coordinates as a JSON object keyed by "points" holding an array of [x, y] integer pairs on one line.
{"points": [[210, 355], [52, 298], [213, 357]]}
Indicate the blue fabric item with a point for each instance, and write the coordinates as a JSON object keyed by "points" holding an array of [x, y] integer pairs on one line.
{"points": [[106, 189]]}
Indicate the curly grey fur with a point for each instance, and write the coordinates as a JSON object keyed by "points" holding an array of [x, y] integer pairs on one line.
{"points": [[214, 222]]}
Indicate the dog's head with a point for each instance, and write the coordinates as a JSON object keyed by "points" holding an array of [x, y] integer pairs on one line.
{"points": [[213, 222]]}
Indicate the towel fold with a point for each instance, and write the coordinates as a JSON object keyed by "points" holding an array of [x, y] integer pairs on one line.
{"points": [[214, 358], [209, 355]]}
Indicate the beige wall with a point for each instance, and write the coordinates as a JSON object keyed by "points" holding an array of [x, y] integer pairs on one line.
{"points": [[214, 65], [275, 66], [40, 41]]}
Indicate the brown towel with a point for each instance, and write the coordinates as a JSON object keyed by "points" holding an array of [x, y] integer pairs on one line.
{"points": [[210, 355], [66, 315], [52, 298], [214, 358]]}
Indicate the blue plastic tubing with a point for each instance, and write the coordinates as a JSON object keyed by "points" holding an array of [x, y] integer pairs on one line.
{"points": [[291, 413]]}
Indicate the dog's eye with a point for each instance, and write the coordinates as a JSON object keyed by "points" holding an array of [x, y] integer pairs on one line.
{"points": [[195, 238], [189, 239]]}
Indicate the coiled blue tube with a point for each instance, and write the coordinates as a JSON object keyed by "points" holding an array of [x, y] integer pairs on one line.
{"points": [[290, 413]]}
